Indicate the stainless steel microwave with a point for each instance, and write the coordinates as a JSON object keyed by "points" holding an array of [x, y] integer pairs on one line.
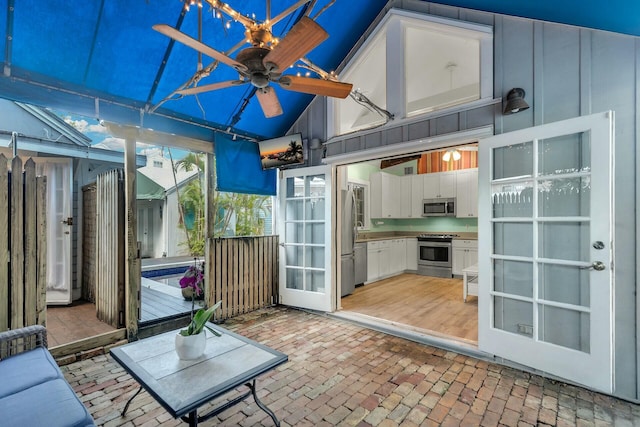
{"points": [[439, 207]]}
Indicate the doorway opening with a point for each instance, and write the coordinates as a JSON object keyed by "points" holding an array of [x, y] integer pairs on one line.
{"points": [[410, 257]]}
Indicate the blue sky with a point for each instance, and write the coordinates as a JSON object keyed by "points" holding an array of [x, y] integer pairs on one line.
{"points": [[100, 137]]}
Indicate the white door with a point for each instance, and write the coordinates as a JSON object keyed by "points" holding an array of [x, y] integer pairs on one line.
{"points": [[546, 255], [59, 228], [146, 229], [304, 225]]}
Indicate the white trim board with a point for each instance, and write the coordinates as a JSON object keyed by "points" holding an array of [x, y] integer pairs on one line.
{"points": [[403, 148]]}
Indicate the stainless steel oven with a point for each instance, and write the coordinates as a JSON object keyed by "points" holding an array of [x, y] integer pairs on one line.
{"points": [[435, 255]]}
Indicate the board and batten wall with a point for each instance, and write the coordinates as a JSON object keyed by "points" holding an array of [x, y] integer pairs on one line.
{"points": [[566, 72]]}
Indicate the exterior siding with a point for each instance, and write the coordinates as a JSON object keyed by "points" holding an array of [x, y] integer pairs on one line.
{"points": [[566, 72]]}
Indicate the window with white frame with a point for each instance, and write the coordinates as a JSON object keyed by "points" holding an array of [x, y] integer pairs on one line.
{"points": [[412, 65], [372, 85]]}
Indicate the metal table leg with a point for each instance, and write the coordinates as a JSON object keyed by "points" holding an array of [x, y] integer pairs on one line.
{"points": [[261, 405], [126, 407], [252, 387]]}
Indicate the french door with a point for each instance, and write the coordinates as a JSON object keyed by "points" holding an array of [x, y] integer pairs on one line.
{"points": [[59, 227], [304, 224], [546, 249]]}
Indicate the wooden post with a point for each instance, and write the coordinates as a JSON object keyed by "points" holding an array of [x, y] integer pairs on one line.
{"points": [[41, 213], [17, 248], [30, 267], [209, 224], [132, 272], [4, 244]]}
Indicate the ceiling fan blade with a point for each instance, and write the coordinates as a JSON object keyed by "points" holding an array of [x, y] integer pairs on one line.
{"points": [[210, 87], [302, 38], [199, 46], [316, 86], [269, 102]]}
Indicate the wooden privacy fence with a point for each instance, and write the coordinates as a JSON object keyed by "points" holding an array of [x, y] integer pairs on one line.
{"points": [[109, 251], [242, 272], [23, 245]]}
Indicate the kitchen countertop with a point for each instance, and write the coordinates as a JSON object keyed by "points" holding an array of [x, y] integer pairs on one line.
{"points": [[388, 235]]}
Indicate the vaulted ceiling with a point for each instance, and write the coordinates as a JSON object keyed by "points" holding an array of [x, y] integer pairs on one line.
{"points": [[102, 59]]}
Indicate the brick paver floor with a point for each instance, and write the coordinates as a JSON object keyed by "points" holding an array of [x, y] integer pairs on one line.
{"points": [[343, 374]]}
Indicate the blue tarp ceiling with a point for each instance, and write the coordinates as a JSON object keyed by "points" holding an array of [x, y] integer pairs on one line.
{"points": [[102, 59]]}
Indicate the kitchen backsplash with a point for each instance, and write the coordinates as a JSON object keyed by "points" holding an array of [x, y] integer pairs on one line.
{"points": [[433, 224]]}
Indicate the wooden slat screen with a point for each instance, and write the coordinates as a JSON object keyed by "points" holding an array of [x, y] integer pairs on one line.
{"points": [[432, 162], [243, 274], [89, 206], [4, 245], [109, 280], [23, 245]]}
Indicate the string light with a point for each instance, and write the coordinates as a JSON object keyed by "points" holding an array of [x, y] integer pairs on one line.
{"points": [[189, 3]]}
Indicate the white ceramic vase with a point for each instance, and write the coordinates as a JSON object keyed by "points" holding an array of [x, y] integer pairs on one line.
{"points": [[190, 347]]}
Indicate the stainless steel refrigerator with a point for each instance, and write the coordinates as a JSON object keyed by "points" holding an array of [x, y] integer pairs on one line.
{"points": [[348, 239]]}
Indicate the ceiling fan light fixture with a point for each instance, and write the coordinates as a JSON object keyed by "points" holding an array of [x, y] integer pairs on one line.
{"points": [[515, 101], [263, 62], [451, 154]]}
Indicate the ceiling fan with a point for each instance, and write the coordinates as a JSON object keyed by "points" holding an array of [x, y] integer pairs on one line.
{"points": [[265, 60]]}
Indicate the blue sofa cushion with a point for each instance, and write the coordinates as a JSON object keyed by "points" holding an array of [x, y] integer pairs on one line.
{"points": [[27, 369], [49, 404]]}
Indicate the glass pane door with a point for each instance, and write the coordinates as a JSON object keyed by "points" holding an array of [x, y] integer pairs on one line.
{"points": [[548, 215], [304, 233], [59, 230]]}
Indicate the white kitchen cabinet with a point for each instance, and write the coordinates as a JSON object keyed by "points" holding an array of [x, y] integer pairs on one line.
{"points": [[372, 262], [467, 193], [398, 256], [406, 207], [439, 185], [390, 196], [417, 190], [447, 184], [384, 197], [378, 263], [412, 254], [465, 254], [375, 195]]}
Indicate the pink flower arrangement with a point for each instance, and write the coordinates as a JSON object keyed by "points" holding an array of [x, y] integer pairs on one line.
{"points": [[193, 278]]}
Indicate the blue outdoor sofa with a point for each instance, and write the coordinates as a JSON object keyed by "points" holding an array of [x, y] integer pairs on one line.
{"points": [[33, 391]]}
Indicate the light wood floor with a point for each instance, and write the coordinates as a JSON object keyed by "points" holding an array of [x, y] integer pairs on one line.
{"points": [[423, 302]]}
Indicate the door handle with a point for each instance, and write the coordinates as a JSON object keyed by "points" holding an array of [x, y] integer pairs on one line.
{"points": [[596, 265]]}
